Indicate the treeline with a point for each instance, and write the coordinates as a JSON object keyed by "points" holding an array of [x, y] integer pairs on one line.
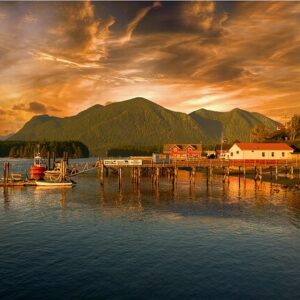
{"points": [[24, 149], [126, 151], [290, 132]]}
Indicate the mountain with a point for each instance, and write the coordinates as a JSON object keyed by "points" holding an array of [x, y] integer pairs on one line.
{"points": [[139, 122], [235, 124], [5, 137]]}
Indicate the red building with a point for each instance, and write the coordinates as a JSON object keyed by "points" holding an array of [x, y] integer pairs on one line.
{"points": [[183, 151]]}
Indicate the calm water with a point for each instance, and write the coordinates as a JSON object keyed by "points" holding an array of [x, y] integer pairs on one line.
{"points": [[236, 241]]}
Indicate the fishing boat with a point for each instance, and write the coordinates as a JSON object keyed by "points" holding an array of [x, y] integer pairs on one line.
{"points": [[37, 170]]}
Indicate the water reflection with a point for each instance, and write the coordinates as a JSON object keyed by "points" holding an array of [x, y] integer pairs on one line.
{"points": [[238, 197]]}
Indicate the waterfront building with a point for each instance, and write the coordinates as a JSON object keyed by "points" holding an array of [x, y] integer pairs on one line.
{"points": [[260, 151], [183, 151]]}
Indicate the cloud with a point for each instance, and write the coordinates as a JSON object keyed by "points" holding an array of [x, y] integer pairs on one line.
{"points": [[136, 20], [29, 18], [79, 36], [34, 107], [186, 55], [203, 16]]}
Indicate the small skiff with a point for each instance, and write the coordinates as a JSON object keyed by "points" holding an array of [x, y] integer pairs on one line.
{"points": [[54, 184]]}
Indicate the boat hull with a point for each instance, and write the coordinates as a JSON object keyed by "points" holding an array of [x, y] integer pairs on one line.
{"points": [[37, 172], [54, 184]]}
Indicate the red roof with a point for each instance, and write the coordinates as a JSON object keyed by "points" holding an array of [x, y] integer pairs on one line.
{"points": [[264, 146]]}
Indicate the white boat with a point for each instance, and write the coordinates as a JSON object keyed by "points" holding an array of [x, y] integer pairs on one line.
{"points": [[58, 184]]}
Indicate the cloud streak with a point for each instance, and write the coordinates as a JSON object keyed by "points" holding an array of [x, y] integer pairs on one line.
{"points": [[136, 20], [68, 56]]}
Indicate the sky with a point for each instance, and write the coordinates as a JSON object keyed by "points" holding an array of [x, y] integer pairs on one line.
{"points": [[59, 58]]}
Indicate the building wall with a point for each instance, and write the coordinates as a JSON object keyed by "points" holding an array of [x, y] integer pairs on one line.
{"points": [[187, 152], [257, 154]]}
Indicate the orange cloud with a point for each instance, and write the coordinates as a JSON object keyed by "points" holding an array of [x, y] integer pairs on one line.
{"points": [[186, 55], [136, 20]]}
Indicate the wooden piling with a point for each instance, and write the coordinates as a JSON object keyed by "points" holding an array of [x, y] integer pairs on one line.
{"points": [[6, 171], [101, 174], [120, 177], [53, 162], [192, 175], [49, 160]]}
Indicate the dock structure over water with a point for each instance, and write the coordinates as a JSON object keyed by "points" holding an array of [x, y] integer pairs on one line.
{"points": [[139, 167], [145, 167]]}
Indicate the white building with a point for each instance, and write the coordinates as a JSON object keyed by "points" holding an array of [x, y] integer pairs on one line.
{"points": [[264, 151]]}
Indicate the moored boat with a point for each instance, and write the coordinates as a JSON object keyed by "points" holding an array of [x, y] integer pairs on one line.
{"points": [[37, 170], [54, 184]]}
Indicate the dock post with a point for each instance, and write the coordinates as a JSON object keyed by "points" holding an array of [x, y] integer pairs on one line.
{"points": [[157, 176], [6, 171], [276, 172], [193, 175], [226, 172], [53, 162], [63, 170], [292, 172], [173, 179], [120, 177], [175, 174], [49, 160], [260, 173], [133, 175], [139, 172], [101, 174]]}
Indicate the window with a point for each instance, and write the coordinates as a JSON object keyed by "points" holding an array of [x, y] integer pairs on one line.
{"points": [[231, 154], [272, 154], [237, 152], [283, 154], [263, 154]]}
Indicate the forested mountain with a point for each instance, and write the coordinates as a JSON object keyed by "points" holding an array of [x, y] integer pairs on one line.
{"points": [[235, 124], [141, 123], [26, 149]]}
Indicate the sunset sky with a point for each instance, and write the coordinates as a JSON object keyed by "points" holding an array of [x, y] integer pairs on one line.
{"points": [[59, 58]]}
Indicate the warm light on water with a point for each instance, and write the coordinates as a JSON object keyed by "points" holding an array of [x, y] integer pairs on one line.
{"points": [[236, 240]]}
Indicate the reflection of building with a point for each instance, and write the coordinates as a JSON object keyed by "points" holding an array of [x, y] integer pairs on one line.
{"points": [[183, 151], [264, 151]]}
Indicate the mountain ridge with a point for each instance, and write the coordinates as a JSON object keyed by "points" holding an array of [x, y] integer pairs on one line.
{"points": [[141, 122]]}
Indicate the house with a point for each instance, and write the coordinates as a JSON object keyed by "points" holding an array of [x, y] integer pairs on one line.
{"points": [[222, 151], [263, 151], [183, 151]]}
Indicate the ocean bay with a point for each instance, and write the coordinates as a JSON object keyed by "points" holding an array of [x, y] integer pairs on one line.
{"points": [[209, 240]]}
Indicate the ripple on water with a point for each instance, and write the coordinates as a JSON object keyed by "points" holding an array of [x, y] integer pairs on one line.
{"points": [[212, 241]]}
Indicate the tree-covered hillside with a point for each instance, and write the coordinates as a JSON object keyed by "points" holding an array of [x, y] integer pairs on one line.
{"points": [[25, 149], [140, 123], [235, 124]]}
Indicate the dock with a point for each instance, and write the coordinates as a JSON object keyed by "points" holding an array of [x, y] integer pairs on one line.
{"points": [[139, 167], [145, 168]]}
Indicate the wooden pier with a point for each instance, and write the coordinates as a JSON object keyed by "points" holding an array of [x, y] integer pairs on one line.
{"points": [[139, 168], [255, 169]]}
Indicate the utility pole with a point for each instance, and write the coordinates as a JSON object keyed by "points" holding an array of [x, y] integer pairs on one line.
{"points": [[221, 144]]}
